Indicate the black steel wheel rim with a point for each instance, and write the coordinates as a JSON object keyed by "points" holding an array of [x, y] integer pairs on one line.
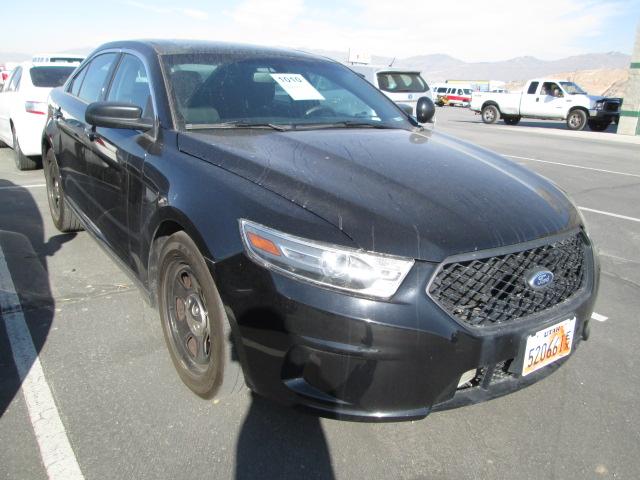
{"points": [[187, 317]]}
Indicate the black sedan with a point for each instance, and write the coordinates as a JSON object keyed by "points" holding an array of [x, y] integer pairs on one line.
{"points": [[304, 236]]}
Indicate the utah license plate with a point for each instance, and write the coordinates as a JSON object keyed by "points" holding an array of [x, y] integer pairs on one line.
{"points": [[548, 345]]}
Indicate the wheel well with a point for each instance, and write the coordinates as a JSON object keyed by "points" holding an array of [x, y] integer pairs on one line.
{"points": [[164, 231], [490, 102], [579, 108]]}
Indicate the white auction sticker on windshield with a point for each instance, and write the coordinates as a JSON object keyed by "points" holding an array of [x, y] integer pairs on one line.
{"points": [[296, 86]]}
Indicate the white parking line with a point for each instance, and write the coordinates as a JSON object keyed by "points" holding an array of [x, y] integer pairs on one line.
{"points": [[56, 452], [12, 187], [616, 215], [599, 318], [574, 166]]}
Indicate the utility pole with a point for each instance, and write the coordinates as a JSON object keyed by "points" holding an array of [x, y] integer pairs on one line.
{"points": [[630, 115]]}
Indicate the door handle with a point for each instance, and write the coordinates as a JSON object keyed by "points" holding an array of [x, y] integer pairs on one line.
{"points": [[537, 99]]}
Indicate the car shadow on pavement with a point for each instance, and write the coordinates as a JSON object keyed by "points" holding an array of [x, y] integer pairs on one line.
{"points": [[22, 240], [278, 442]]}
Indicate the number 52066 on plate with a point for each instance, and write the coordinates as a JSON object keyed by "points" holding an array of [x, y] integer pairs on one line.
{"points": [[548, 345]]}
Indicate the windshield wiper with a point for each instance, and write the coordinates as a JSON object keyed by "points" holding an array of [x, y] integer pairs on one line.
{"points": [[236, 124], [348, 124]]}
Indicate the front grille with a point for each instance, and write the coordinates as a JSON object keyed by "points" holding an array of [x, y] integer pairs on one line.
{"points": [[489, 291], [611, 106]]}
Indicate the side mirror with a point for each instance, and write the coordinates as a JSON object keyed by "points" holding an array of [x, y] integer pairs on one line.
{"points": [[408, 109], [116, 115], [425, 110]]}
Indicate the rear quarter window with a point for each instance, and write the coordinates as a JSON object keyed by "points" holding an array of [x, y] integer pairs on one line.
{"points": [[50, 77]]}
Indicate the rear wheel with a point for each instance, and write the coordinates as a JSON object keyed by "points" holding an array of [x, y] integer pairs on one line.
{"points": [[490, 114], [22, 161], [63, 218], [511, 120], [194, 321], [576, 120], [599, 125]]}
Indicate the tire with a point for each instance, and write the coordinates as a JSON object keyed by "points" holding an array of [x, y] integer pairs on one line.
{"points": [[512, 120], [490, 114], [194, 321], [576, 120], [598, 125], [22, 161], [63, 218]]}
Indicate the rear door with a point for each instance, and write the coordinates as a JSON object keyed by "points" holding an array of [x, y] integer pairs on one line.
{"points": [[115, 157], [530, 99], [88, 85]]}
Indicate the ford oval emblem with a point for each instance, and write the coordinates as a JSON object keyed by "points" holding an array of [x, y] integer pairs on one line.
{"points": [[539, 279]]}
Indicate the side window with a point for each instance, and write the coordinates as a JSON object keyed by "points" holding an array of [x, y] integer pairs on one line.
{"points": [[74, 88], [533, 86], [94, 80], [14, 83], [131, 85]]}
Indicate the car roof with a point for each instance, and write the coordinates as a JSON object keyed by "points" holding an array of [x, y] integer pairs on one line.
{"points": [[172, 47], [29, 64]]}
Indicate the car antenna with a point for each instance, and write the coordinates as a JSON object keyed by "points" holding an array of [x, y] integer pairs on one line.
{"points": [[391, 64]]}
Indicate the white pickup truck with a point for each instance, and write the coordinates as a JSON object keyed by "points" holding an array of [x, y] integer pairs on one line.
{"points": [[549, 99]]}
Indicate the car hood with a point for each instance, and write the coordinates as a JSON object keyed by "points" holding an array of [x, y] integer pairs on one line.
{"points": [[421, 195]]}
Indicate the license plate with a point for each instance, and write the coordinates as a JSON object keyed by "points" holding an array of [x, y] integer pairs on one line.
{"points": [[548, 345]]}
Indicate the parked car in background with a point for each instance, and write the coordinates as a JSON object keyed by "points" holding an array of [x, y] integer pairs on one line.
{"points": [[300, 232], [23, 107], [551, 100], [400, 85], [5, 73], [451, 94]]}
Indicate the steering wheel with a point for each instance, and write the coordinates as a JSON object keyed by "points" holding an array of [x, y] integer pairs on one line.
{"points": [[320, 111]]}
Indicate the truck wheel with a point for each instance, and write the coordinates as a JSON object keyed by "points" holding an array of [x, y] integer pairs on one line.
{"points": [[490, 114], [22, 161], [63, 218], [194, 321], [576, 120], [598, 125], [512, 120]]}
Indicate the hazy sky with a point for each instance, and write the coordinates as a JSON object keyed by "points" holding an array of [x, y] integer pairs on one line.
{"points": [[472, 30]]}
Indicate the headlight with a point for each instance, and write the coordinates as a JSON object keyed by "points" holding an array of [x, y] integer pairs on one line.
{"points": [[364, 273], [599, 105]]}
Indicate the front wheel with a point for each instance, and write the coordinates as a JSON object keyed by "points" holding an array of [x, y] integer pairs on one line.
{"points": [[490, 114], [576, 120], [598, 125], [194, 321]]}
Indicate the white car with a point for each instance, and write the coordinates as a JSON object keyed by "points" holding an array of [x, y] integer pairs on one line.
{"points": [[400, 85], [549, 99], [23, 107]]}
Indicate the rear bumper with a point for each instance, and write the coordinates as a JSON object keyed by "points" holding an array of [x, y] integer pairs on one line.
{"points": [[29, 132], [351, 358]]}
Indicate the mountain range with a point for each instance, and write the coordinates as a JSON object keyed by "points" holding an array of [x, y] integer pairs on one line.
{"points": [[440, 67]]}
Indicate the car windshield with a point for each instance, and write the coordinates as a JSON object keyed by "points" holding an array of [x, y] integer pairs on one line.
{"points": [[401, 82], [50, 76], [572, 89], [231, 90]]}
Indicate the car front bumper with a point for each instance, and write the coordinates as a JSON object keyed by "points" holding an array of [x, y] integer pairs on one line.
{"points": [[359, 359]]}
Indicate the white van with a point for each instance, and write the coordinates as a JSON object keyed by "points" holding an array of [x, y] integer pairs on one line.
{"points": [[400, 85], [452, 94], [57, 58]]}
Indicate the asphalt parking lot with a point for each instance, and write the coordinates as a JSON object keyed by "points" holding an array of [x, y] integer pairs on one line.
{"points": [[126, 414]]}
